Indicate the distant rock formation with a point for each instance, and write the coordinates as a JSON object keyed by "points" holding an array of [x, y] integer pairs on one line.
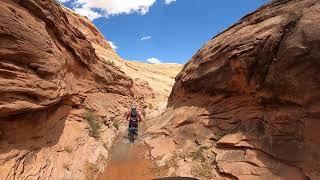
{"points": [[249, 99]]}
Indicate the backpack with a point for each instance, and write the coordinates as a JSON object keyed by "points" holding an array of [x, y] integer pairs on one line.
{"points": [[134, 114]]}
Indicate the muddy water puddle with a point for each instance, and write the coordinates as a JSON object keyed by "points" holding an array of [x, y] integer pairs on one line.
{"points": [[128, 162]]}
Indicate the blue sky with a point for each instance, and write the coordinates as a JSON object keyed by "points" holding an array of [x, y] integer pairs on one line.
{"points": [[170, 31]]}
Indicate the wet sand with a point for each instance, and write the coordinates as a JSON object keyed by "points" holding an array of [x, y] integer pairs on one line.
{"points": [[128, 162]]}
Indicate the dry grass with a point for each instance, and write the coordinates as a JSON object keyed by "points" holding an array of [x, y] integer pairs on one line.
{"points": [[68, 149], [91, 171], [203, 170], [116, 124], [198, 154], [113, 64], [110, 62], [94, 125]]}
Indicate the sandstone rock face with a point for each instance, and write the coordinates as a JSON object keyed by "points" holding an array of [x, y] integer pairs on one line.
{"points": [[255, 88], [83, 24], [44, 58], [50, 79]]}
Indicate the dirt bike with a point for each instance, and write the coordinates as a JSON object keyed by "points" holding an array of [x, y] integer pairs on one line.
{"points": [[132, 134]]}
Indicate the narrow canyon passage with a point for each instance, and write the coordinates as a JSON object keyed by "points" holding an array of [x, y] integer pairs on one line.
{"points": [[151, 156], [245, 106], [130, 160]]}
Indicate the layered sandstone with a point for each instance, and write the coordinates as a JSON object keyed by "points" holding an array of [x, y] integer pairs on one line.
{"points": [[246, 106], [152, 82], [51, 78]]}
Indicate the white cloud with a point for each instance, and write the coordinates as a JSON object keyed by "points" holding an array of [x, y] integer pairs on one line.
{"points": [[94, 9], [153, 60], [167, 2], [112, 44], [84, 11], [145, 38], [99, 8]]}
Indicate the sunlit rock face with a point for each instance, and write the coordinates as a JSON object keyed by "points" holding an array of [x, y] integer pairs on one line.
{"points": [[255, 86]]}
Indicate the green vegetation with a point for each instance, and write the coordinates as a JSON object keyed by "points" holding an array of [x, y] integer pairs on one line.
{"points": [[94, 125]]}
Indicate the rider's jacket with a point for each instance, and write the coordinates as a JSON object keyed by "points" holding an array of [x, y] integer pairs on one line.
{"points": [[138, 116]]}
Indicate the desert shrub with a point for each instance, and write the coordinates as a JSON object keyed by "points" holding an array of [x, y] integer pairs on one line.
{"points": [[198, 154], [116, 124], [111, 63], [91, 171], [203, 170], [68, 149], [94, 125]]}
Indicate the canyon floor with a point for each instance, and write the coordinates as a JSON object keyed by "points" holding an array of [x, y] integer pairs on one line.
{"points": [[133, 161], [130, 161]]}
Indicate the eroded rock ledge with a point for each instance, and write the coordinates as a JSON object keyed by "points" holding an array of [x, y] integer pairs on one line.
{"points": [[247, 103]]}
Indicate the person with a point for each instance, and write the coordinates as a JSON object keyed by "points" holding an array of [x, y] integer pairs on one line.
{"points": [[133, 117]]}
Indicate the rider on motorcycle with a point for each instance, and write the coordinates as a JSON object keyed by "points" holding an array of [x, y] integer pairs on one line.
{"points": [[133, 117]]}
